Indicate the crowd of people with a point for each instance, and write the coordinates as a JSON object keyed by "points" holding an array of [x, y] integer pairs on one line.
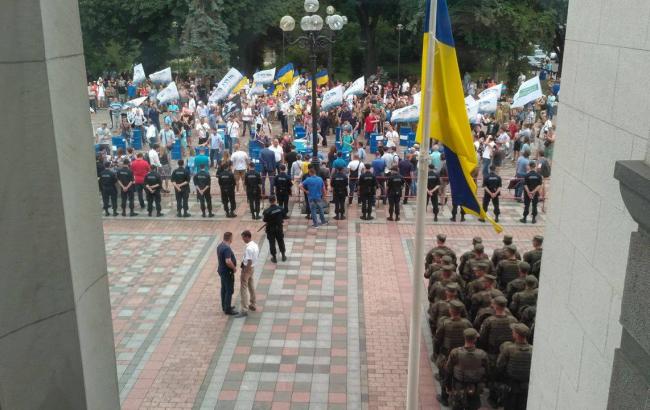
{"points": [[482, 318]]}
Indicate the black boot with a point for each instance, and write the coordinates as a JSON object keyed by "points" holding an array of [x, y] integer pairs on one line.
{"points": [[496, 218], [453, 219], [435, 217], [462, 218], [159, 214], [274, 259], [284, 257], [523, 220], [534, 220], [106, 212], [132, 214], [124, 212]]}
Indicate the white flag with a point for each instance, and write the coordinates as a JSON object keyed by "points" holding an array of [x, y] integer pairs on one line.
{"points": [[136, 102], [332, 98], [138, 74], [409, 113], [264, 77], [488, 99], [256, 89], [293, 90], [226, 85], [162, 76], [169, 93], [417, 97], [357, 88], [529, 91], [472, 106]]}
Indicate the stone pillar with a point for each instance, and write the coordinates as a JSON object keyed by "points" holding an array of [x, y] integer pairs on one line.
{"points": [[630, 385], [56, 338]]}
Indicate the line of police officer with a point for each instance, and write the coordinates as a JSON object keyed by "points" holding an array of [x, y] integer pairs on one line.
{"points": [[110, 180], [482, 319]]}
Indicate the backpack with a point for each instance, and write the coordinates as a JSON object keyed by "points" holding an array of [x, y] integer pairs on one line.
{"points": [[545, 168]]}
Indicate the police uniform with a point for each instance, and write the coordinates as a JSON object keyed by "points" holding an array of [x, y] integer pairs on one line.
{"points": [[340, 191], [282, 190], [395, 183], [150, 180], [273, 217], [253, 183], [532, 180], [125, 177], [202, 180], [513, 364], [226, 181], [367, 190], [179, 176], [467, 369], [492, 183], [107, 179], [433, 181]]}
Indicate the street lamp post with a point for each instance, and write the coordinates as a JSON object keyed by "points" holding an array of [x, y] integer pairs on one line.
{"points": [[400, 27], [312, 40]]}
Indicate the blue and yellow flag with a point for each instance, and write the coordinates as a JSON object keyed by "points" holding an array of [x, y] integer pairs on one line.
{"points": [[285, 74], [448, 116], [322, 77]]}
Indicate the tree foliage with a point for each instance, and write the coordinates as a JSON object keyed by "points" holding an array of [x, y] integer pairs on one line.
{"points": [[205, 37]]}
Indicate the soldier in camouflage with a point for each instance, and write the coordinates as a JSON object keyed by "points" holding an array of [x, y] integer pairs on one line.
{"points": [[478, 256], [440, 245], [508, 268], [483, 298], [534, 257], [497, 255], [513, 365], [465, 256], [525, 298], [440, 279], [440, 309], [466, 372], [519, 283]]}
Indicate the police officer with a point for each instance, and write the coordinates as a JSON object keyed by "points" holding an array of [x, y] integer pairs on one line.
{"points": [[181, 181], [367, 191], [492, 191], [532, 186], [126, 182], [339, 182], [152, 187], [273, 217], [107, 180], [253, 183], [226, 180], [449, 335], [467, 369], [202, 181], [394, 185], [433, 188], [534, 257], [283, 189], [513, 364]]}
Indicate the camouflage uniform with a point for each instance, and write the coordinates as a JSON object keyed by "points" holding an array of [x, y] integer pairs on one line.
{"points": [[534, 257], [525, 298], [513, 364], [507, 269], [466, 371]]}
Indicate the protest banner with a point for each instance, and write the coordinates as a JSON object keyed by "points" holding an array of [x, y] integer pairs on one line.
{"points": [[264, 77], [357, 88], [168, 94], [332, 98], [162, 76], [529, 91], [138, 74]]}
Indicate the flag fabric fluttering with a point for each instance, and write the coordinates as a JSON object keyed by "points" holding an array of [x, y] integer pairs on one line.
{"points": [[449, 123], [285, 74], [322, 77]]}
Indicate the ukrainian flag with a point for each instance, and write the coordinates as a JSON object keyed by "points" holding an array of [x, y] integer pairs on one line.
{"points": [[241, 85], [285, 74], [446, 109], [322, 78]]}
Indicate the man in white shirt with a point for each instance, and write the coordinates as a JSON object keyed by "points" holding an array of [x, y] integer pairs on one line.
{"points": [[278, 151], [150, 133], [103, 137], [232, 130], [405, 87], [239, 160], [154, 159], [391, 159], [167, 136], [246, 284], [392, 137], [247, 117]]}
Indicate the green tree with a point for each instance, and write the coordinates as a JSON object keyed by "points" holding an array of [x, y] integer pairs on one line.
{"points": [[205, 37]]}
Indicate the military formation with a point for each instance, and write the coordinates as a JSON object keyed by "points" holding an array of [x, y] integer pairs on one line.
{"points": [[482, 319]]}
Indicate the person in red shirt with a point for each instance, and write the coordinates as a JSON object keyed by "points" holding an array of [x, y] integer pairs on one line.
{"points": [[371, 123], [140, 169]]}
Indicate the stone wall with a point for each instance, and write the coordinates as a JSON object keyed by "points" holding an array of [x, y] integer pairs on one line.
{"points": [[602, 118]]}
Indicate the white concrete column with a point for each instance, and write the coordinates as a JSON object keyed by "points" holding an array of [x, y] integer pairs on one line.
{"points": [[56, 338]]}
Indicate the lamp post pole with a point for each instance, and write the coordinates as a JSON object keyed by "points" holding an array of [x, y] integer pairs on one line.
{"points": [[314, 107]]}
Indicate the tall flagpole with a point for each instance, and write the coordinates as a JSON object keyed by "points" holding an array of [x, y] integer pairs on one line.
{"points": [[418, 264]]}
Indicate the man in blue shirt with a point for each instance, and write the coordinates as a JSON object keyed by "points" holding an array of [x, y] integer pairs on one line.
{"points": [[520, 173], [314, 187], [131, 90], [339, 162], [201, 159], [227, 267], [267, 159]]}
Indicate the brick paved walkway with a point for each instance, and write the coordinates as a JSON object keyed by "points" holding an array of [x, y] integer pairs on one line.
{"points": [[331, 331]]}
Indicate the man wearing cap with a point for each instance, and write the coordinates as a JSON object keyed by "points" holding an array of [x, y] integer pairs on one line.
{"points": [[449, 335], [533, 183], [367, 190], [508, 268], [495, 331], [492, 191], [483, 298], [475, 257], [440, 244], [440, 308], [253, 184], [519, 283], [274, 217], [478, 284], [339, 182], [467, 369], [440, 279], [534, 257], [513, 364], [526, 298], [394, 185], [465, 256], [433, 189], [439, 260], [498, 253]]}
